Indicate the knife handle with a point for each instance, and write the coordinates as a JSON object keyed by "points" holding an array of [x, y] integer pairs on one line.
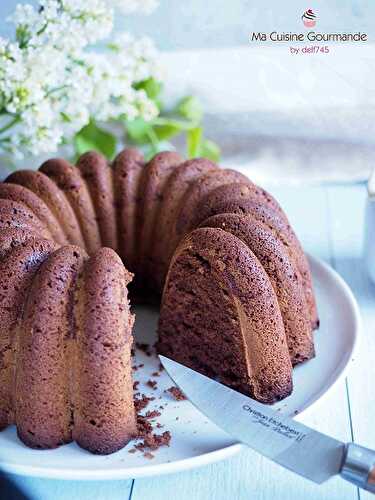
{"points": [[358, 466]]}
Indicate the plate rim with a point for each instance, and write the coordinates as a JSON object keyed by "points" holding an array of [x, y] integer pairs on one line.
{"points": [[356, 314], [212, 456]]}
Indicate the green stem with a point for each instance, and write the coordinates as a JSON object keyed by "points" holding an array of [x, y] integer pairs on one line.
{"points": [[4, 141], [4, 147], [42, 30], [181, 124], [56, 89], [10, 124], [153, 138]]}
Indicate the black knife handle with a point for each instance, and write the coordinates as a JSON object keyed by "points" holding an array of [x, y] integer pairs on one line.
{"points": [[358, 466]]}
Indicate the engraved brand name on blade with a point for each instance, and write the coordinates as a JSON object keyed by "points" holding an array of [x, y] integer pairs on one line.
{"points": [[275, 425]]}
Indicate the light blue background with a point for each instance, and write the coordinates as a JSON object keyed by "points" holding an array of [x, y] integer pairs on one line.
{"points": [[180, 24]]}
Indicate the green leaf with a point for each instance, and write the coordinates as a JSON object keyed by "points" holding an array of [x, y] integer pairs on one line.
{"points": [[113, 46], [190, 108], [210, 150], [184, 118], [151, 86], [22, 36], [197, 145], [165, 132], [194, 140], [92, 137], [66, 118], [166, 128], [138, 131]]}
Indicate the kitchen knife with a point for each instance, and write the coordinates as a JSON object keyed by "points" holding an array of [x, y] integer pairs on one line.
{"points": [[291, 444]]}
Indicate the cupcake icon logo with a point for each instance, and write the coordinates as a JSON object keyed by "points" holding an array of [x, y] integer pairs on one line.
{"points": [[309, 18]]}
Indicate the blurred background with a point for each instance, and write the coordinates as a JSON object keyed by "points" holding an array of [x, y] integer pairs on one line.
{"points": [[279, 117]]}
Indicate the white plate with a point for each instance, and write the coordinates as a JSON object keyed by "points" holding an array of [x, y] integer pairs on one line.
{"points": [[196, 441]]}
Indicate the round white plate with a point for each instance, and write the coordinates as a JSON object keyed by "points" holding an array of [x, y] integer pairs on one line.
{"points": [[196, 441]]}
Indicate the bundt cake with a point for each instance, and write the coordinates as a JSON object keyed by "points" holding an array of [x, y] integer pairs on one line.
{"points": [[220, 314], [237, 301]]}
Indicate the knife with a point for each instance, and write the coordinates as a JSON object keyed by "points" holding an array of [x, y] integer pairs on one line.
{"points": [[292, 445]]}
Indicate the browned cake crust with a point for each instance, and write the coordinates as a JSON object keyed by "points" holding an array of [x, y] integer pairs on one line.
{"points": [[178, 183], [104, 418], [234, 193], [220, 316], [278, 222], [15, 214], [72, 378], [68, 179], [153, 181], [188, 217], [127, 171], [23, 195], [238, 303], [283, 274], [99, 180], [44, 411], [12, 237], [54, 198], [16, 273]]}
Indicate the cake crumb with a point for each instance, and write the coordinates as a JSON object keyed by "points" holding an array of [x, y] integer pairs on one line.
{"points": [[141, 401], [152, 383], [135, 385], [155, 374], [148, 455], [154, 441], [177, 393], [152, 414], [144, 427], [132, 450]]}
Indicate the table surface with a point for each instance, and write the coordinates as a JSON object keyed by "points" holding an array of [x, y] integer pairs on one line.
{"points": [[330, 222]]}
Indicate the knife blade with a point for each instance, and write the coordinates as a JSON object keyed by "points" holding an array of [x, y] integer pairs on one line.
{"points": [[293, 445]]}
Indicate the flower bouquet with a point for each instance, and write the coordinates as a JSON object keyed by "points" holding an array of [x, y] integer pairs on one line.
{"points": [[67, 80]]}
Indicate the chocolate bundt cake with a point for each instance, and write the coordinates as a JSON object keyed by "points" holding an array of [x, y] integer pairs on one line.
{"points": [[237, 301], [220, 314]]}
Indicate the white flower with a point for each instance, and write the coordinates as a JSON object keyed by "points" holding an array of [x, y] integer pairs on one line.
{"points": [[51, 84], [136, 56], [65, 24], [146, 108], [113, 76], [27, 17]]}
